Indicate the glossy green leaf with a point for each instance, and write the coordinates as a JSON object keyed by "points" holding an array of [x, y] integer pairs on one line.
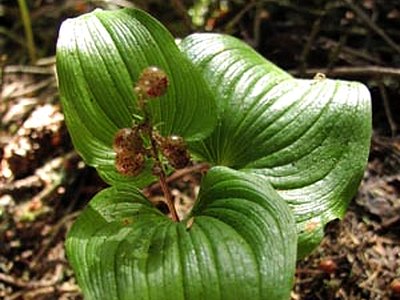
{"points": [[99, 58], [308, 138], [239, 243]]}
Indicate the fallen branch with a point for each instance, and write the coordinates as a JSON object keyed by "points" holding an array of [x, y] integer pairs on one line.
{"points": [[32, 284], [367, 71], [29, 70], [27, 183]]}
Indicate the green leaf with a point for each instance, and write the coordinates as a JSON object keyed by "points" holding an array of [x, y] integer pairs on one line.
{"points": [[239, 243], [99, 58], [308, 138]]}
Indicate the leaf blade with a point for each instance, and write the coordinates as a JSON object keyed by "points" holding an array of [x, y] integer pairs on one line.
{"points": [[99, 58], [292, 131], [121, 248]]}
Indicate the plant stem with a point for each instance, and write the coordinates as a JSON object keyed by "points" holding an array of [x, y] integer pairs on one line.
{"points": [[26, 20], [162, 177], [158, 166], [168, 196]]}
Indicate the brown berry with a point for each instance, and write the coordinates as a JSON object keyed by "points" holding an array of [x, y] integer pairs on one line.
{"points": [[395, 287], [128, 139], [152, 82], [129, 164], [327, 266], [175, 151]]}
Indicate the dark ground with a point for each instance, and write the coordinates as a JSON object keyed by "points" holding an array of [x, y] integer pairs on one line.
{"points": [[44, 184]]}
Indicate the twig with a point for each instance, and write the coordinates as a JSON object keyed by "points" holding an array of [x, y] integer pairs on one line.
{"points": [[46, 61], [202, 167], [124, 3], [3, 60], [250, 5], [12, 36], [33, 181], [26, 20], [257, 26], [350, 51], [48, 243], [386, 106], [334, 54], [372, 25], [13, 281], [307, 47], [51, 290], [33, 289], [29, 70], [168, 197], [33, 284], [236, 19], [366, 71], [33, 88], [308, 271]]}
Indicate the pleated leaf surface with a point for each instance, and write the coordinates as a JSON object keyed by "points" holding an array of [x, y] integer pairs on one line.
{"points": [[239, 243], [308, 138], [99, 58]]}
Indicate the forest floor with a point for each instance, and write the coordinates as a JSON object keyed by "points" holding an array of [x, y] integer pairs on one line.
{"points": [[44, 184]]}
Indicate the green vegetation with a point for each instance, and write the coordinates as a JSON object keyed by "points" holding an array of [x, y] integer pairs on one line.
{"points": [[287, 155]]}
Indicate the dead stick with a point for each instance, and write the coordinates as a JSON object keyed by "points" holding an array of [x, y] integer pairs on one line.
{"points": [[372, 25], [29, 70], [386, 106], [367, 71], [307, 47], [54, 233], [33, 284], [30, 182], [168, 197]]}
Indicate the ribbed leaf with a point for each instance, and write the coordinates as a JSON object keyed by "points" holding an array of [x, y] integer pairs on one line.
{"points": [[309, 138], [99, 58], [239, 243]]}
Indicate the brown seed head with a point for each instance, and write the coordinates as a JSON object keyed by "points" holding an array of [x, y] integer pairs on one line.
{"points": [[152, 82], [175, 151], [129, 164], [128, 139]]}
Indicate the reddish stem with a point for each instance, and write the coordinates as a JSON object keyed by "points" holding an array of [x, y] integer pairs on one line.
{"points": [[168, 196], [162, 177]]}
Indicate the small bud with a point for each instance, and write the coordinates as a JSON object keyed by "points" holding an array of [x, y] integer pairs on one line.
{"points": [[128, 140], [129, 164], [152, 82], [319, 76], [175, 151]]}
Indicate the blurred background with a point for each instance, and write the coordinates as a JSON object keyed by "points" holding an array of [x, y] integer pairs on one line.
{"points": [[44, 184]]}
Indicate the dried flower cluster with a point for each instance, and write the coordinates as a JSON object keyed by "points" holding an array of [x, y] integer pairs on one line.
{"points": [[129, 142], [152, 83], [130, 153]]}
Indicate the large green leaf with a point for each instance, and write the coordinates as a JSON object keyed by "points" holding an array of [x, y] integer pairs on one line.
{"points": [[309, 138], [239, 243], [99, 58]]}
